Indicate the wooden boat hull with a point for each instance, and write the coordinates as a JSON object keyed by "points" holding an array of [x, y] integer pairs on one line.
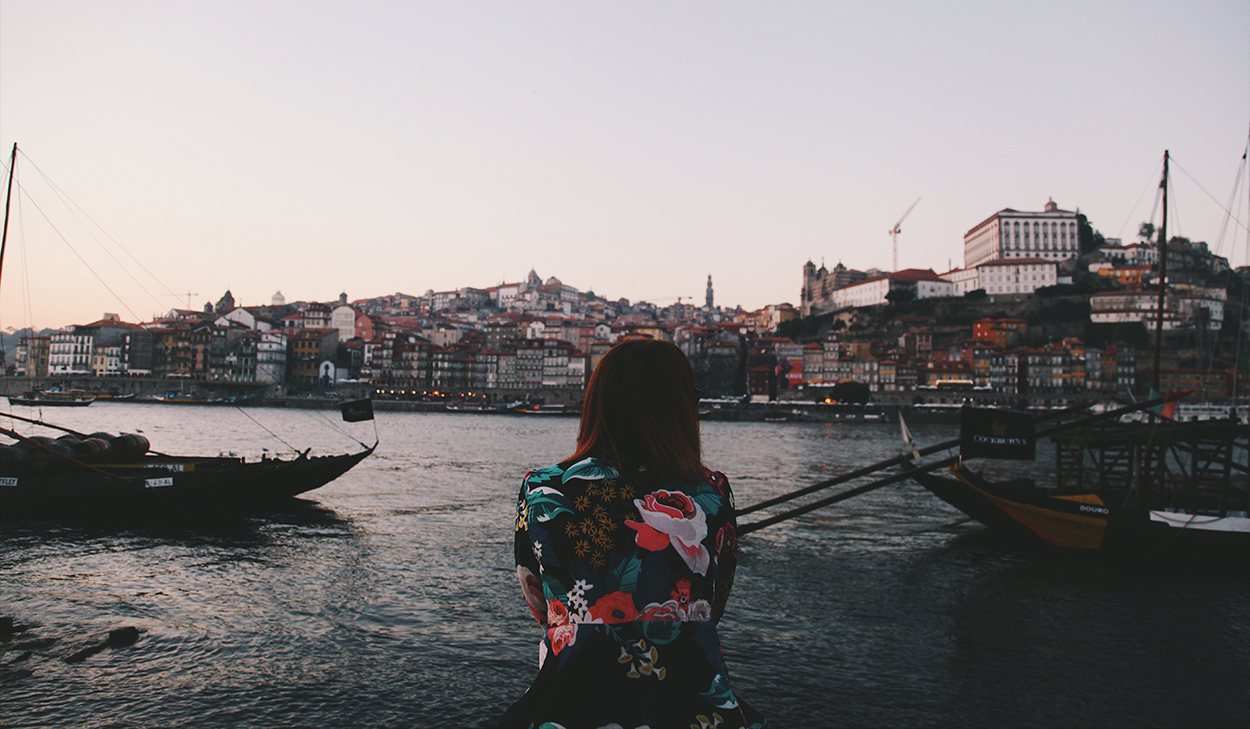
{"points": [[1082, 521], [51, 402], [177, 484]]}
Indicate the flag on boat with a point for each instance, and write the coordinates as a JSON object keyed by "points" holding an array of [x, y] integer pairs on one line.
{"points": [[909, 443], [990, 433], [355, 411]]}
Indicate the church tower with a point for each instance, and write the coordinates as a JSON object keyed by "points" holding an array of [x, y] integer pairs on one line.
{"points": [[707, 301], [224, 304]]}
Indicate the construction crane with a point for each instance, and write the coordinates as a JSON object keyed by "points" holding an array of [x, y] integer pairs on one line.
{"points": [[898, 229], [189, 294]]}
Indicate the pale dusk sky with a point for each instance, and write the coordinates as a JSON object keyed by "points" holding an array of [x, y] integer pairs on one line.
{"points": [[628, 148]]}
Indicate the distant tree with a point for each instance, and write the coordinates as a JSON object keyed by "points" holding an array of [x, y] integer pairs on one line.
{"points": [[1146, 231], [976, 294], [838, 325], [900, 297], [1050, 292], [1089, 239]]}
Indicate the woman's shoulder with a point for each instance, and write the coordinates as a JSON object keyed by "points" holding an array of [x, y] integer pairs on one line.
{"points": [[584, 469], [592, 469]]}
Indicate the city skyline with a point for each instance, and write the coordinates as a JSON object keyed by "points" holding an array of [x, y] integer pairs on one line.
{"points": [[632, 151]]}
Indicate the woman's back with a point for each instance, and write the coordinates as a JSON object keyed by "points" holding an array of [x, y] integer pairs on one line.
{"points": [[626, 575], [626, 553]]}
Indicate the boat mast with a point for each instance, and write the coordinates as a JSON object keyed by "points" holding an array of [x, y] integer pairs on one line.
{"points": [[1163, 276], [8, 196]]}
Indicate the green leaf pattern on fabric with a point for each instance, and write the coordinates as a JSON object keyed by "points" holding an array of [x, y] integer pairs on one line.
{"points": [[624, 577], [719, 694], [590, 469], [546, 503]]}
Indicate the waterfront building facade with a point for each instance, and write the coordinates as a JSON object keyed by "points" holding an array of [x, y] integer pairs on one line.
{"points": [[69, 352], [32, 355]]}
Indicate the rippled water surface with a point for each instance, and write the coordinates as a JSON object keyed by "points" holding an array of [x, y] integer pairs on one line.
{"points": [[388, 598]]}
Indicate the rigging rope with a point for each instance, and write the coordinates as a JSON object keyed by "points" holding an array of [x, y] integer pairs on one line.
{"points": [[1226, 210], [1151, 180], [270, 432], [84, 261], [75, 209], [335, 426]]}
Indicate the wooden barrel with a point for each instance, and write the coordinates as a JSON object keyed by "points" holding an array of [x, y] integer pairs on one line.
{"points": [[92, 450], [129, 445], [13, 460], [59, 454], [38, 458]]}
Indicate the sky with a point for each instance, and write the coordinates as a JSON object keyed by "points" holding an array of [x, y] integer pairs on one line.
{"points": [[631, 149]]}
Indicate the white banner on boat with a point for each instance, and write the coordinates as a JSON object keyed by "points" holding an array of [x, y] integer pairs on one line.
{"points": [[1208, 522]]}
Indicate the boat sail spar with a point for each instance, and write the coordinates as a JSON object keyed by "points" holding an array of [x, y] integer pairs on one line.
{"points": [[93, 474]]}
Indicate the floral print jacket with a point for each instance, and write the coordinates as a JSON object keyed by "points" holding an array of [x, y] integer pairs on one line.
{"points": [[626, 577]]}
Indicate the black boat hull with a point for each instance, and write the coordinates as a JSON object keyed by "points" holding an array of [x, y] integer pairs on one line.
{"points": [[177, 484]]}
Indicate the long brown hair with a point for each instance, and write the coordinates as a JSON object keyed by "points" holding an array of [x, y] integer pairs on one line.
{"points": [[641, 411]]}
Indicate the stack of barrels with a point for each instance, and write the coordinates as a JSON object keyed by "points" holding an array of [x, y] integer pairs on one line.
{"points": [[40, 453]]}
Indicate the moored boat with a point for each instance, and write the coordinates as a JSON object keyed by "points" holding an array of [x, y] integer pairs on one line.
{"points": [[1121, 487], [173, 398], [100, 474], [109, 396], [484, 408], [548, 410], [53, 398]]}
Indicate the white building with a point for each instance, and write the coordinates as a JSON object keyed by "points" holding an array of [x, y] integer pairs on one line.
{"points": [[1179, 312], [1016, 275], [69, 353], [271, 357], [869, 292], [1142, 254], [873, 291], [1050, 235], [343, 318], [246, 317], [1122, 307], [962, 280]]}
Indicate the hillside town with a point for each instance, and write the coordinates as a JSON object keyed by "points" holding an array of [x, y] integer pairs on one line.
{"points": [[1044, 307]]}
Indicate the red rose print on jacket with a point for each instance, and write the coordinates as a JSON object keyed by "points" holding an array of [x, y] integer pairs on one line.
{"points": [[672, 518]]}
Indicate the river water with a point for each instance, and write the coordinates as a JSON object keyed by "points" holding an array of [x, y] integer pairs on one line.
{"points": [[388, 598]]}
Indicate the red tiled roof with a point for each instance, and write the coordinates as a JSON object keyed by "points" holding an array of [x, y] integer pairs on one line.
{"points": [[914, 274]]}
